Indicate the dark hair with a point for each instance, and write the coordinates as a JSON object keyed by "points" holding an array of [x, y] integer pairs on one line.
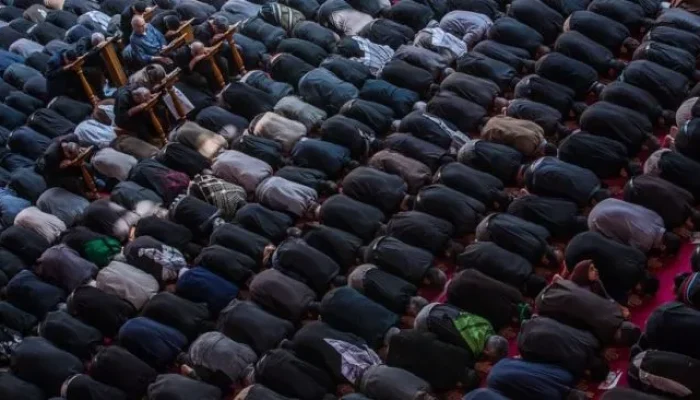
{"points": [[652, 142], [432, 90], [562, 131], [220, 23], [327, 187], [70, 54], [669, 117], [172, 22], [630, 44], [599, 369], [515, 81], [672, 242], [534, 285], [497, 347], [140, 7], [339, 280], [503, 199], [375, 145], [629, 334], [454, 249], [634, 168], [695, 260], [314, 307], [436, 277], [578, 108], [679, 279], [600, 195], [410, 201], [597, 88], [617, 65], [528, 66], [650, 284], [294, 232], [352, 164], [550, 149]]}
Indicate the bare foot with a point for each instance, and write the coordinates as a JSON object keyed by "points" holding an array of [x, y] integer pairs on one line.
{"points": [[611, 354], [634, 301]]}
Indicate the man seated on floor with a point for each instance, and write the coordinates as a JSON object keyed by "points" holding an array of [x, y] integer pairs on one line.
{"points": [[146, 44]]}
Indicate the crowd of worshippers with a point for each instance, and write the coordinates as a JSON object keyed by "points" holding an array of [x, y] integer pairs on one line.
{"points": [[288, 239]]}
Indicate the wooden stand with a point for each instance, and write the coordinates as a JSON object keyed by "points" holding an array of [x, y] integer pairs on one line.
{"points": [[185, 30], [237, 59], [218, 76], [155, 121], [115, 71], [79, 161], [77, 67], [149, 14], [173, 45], [167, 83]]}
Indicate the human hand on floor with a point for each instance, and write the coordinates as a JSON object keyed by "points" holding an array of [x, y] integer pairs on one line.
{"points": [[625, 312], [611, 354], [682, 231]]}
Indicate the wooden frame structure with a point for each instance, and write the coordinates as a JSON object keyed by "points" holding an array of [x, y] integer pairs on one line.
{"points": [[154, 119], [115, 70], [89, 179], [184, 31], [186, 37], [218, 76], [167, 84], [113, 66], [237, 59]]}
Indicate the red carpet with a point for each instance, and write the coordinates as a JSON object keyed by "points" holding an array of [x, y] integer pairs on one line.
{"points": [[672, 266]]}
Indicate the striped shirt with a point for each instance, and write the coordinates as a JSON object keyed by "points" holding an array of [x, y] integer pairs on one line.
{"points": [[375, 55]]}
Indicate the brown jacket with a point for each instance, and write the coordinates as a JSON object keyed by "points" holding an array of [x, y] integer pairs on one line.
{"points": [[525, 136]]}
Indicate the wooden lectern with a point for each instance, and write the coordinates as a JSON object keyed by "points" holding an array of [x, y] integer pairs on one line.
{"points": [[150, 13], [154, 119], [77, 67], [185, 30], [237, 59], [79, 161], [167, 84], [115, 71], [218, 76]]}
